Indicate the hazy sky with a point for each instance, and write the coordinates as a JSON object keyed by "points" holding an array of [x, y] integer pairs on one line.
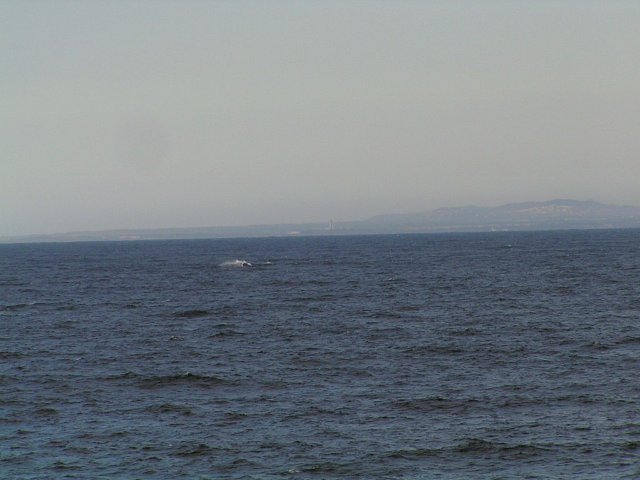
{"points": [[127, 114]]}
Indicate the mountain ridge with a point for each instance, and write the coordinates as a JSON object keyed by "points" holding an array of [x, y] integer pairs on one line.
{"points": [[556, 214], [550, 214]]}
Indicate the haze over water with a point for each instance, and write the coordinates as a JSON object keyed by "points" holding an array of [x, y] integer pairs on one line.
{"points": [[453, 356]]}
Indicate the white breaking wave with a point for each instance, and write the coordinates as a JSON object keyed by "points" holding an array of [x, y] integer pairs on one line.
{"points": [[236, 263]]}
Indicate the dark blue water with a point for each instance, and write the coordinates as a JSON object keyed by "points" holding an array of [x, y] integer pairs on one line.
{"points": [[504, 355]]}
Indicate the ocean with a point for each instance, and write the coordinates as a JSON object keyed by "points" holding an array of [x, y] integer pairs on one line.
{"points": [[445, 356]]}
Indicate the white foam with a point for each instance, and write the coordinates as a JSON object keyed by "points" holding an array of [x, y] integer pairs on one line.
{"points": [[236, 263]]}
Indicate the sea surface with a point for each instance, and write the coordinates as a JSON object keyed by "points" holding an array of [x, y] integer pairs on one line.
{"points": [[450, 356]]}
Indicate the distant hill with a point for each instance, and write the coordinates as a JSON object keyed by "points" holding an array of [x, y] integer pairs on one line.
{"points": [[553, 214], [550, 215]]}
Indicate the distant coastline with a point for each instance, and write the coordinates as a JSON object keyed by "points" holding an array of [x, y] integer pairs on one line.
{"points": [[559, 214]]}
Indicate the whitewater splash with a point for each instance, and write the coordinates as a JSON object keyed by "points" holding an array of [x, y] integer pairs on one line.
{"points": [[236, 263]]}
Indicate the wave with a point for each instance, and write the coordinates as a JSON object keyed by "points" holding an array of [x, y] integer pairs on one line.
{"points": [[6, 379], [187, 378], [195, 450], [226, 333], [431, 404], [479, 446], [235, 263], [161, 381], [467, 332], [631, 445], [16, 306], [46, 412], [191, 313], [332, 468], [414, 453], [60, 465], [7, 355], [170, 408], [62, 306], [445, 349], [383, 314], [473, 446], [12, 283]]}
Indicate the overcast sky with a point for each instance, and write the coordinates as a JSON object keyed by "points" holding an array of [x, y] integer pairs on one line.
{"points": [[135, 114]]}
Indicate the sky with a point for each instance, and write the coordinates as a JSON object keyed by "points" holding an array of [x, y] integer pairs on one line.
{"points": [[151, 114]]}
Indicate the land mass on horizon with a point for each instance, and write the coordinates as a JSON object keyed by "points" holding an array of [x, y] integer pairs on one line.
{"points": [[559, 214]]}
